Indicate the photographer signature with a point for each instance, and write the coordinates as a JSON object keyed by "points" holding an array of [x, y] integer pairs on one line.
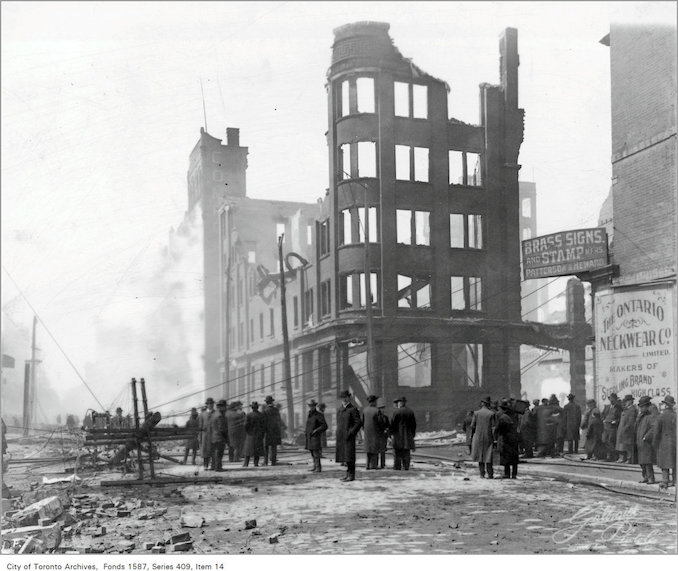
{"points": [[618, 525]]}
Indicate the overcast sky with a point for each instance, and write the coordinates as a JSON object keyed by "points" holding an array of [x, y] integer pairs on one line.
{"points": [[101, 105]]}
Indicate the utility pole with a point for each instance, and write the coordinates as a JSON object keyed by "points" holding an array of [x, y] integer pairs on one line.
{"points": [[287, 371], [34, 396], [368, 301]]}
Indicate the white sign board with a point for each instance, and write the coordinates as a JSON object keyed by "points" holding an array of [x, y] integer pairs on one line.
{"points": [[635, 348]]}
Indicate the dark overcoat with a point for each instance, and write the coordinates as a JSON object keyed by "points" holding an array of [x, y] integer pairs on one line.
{"points": [[528, 426], [254, 434], [466, 427], [508, 440], [206, 433], [403, 428], [315, 428], [218, 428], [384, 428], [664, 440], [572, 420], [483, 425], [626, 433], [546, 425], [594, 437], [273, 425], [193, 442], [371, 442], [644, 433], [348, 425], [610, 417], [235, 421]]}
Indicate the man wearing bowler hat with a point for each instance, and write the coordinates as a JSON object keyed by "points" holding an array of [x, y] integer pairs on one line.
{"points": [[644, 429], [610, 417], [403, 429], [219, 434], [371, 429], [664, 442], [254, 435], [315, 427], [206, 433], [272, 431], [572, 420], [626, 433], [348, 425], [483, 426]]}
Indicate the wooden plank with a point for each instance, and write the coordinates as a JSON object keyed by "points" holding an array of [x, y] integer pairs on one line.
{"points": [[163, 481]]}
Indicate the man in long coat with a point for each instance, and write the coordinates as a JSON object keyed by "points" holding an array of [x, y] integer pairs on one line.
{"points": [[644, 433], [508, 440], [206, 434], [403, 430], [272, 431], [371, 442], [483, 426], [572, 420], [383, 430], [315, 427], [546, 429], [348, 425], [254, 435], [664, 442], [192, 443], [466, 427], [235, 421], [626, 433], [610, 417], [219, 435]]}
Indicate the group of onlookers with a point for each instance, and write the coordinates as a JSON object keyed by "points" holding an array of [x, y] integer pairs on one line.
{"points": [[626, 433], [246, 436], [377, 428], [622, 433]]}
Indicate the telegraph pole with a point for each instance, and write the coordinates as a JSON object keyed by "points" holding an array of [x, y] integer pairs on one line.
{"points": [[287, 369]]}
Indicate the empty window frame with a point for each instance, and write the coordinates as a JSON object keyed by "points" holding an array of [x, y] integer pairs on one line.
{"points": [[353, 289], [412, 163], [414, 292], [466, 231], [309, 234], [414, 365], [308, 303], [365, 160], [413, 227], [325, 299], [324, 231], [465, 168], [526, 207], [280, 231], [363, 223], [466, 293], [356, 96], [527, 233], [351, 219], [410, 100], [467, 364]]}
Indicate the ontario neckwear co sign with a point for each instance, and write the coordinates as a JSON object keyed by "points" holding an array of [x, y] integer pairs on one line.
{"points": [[565, 253], [634, 343]]}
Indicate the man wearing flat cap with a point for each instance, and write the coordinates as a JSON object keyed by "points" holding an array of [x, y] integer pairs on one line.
{"points": [[645, 455], [272, 431], [483, 426], [348, 425], [664, 442], [192, 443], [403, 430], [206, 434], [254, 431], [572, 420], [315, 428], [626, 433], [371, 430]]}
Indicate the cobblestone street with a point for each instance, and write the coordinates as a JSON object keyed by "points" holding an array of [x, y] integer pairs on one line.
{"points": [[432, 509]]}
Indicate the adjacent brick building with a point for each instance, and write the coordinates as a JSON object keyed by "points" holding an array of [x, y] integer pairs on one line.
{"points": [[424, 205]]}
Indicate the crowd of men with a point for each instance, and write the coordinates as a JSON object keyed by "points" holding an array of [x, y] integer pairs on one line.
{"points": [[623, 433], [258, 434]]}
